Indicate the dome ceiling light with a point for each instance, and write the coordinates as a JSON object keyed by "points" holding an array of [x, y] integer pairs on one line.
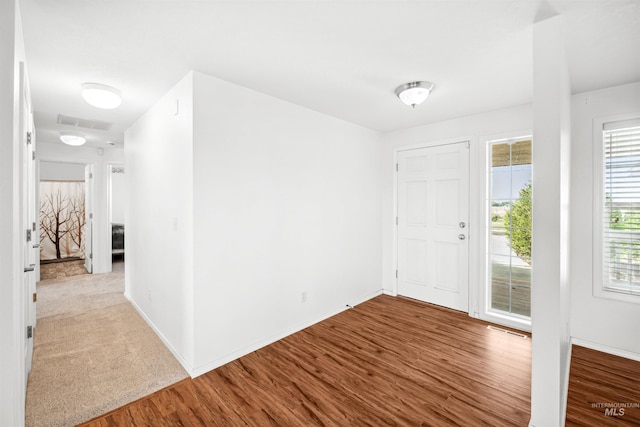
{"points": [[74, 139], [414, 93], [101, 96]]}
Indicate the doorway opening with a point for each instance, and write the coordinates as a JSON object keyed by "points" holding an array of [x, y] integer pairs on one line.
{"points": [[117, 199], [64, 220]]}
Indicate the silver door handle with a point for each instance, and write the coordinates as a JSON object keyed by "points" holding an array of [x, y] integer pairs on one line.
{"points": [[30, 268], [461, 236], [36, 246]]}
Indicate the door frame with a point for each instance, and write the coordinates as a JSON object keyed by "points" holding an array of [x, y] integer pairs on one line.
{"points": [[474, 218], [109, 197], [89, 216]]}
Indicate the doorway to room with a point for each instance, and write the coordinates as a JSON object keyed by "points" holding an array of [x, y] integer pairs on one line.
{"points": [[65, 220], [117, 200]]}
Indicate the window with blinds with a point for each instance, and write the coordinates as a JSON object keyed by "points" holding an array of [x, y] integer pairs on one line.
{"points": [[621, 207]]}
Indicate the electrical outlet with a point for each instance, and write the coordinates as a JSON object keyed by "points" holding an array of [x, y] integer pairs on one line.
{"points": [[149, 294], [303, 297]]}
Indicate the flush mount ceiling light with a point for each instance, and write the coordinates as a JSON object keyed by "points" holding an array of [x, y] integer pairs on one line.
{"points": [[414, 93], [101, 96], [73, 139]]}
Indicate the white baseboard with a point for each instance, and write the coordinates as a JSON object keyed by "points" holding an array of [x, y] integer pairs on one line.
{"points": [[565, 387], [606, 349], [166, 342], [213, 364], [389, 292]]}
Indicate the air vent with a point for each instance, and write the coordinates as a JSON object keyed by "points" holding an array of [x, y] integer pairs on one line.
{"points": [[505, 331], [83, 123]]}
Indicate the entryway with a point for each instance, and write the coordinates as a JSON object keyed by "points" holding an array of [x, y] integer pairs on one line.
{"points": [[432, 224]]}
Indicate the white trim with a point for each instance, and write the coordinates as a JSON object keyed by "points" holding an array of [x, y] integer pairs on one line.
{"points": [[475, 225], [565, 387], [108, 224], [390, 293], [394, 227], [213, 364], [606, 349], [598, 184], [473, 218], [448, 141]]}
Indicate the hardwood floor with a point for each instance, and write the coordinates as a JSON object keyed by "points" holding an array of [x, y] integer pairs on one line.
{"points": [[389, 361], [600, 381]]}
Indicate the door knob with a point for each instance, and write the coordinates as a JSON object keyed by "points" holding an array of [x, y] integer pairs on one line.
{"points": [[461, 236], [30, 268], [462, 224]]}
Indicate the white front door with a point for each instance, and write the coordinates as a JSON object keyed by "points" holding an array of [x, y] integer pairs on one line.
{"points": [[433, 229]]}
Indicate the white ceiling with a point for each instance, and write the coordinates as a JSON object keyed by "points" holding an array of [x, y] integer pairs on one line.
{"points": [[341, 58]]}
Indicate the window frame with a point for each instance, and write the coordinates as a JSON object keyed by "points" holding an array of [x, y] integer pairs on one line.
{"points": [[484, 261], [490, 308], [599, 287]]}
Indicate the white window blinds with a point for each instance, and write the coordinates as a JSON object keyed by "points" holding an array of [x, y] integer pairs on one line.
{"points": [[621, 207]]}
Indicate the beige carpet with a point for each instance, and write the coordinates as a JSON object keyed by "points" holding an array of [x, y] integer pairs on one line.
{"points": [[92, 352]]}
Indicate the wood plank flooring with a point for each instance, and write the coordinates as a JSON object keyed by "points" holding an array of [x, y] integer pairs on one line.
{"points": [[598, 380], [387, 362]]}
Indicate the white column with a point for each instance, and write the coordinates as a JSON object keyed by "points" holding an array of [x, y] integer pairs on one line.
{"points": [[550, 242]]}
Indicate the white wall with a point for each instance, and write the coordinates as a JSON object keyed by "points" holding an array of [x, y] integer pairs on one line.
{"points": [[287, 202], [598, 321], [100, 159], [477, 129], [159, 230], [56, 171], [12, 292]]}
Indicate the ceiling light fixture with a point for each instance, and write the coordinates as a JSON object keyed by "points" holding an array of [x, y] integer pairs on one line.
{"points": [[101, 96], [73, 139], [414, 93]]}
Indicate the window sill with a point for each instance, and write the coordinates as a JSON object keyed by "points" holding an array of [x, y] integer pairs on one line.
{"points": [[616, 296]]}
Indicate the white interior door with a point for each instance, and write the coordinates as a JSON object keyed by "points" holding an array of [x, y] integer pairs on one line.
{"points": [[88, 229], [433, 212], [28, 216]]}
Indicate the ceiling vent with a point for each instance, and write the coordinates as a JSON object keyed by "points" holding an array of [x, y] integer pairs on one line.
{"points": [[83, 123]]}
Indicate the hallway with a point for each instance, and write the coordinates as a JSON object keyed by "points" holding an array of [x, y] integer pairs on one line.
{"points": [[92, 351]]}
